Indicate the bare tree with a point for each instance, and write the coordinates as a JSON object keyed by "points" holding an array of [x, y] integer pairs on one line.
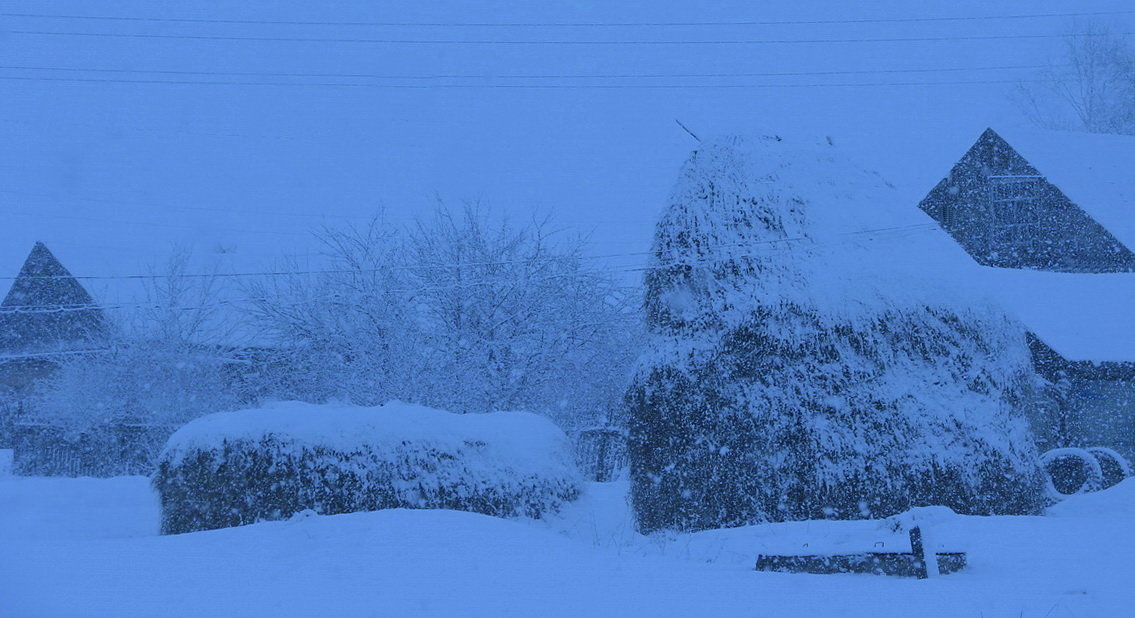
{"points": [[185, 307], [516, 311], [1090, 88]]}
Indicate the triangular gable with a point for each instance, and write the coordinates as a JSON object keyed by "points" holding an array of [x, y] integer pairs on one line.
{"points": [[1095, 171], [47, 309], [1007, 211]]}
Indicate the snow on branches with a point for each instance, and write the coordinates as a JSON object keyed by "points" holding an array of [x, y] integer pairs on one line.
{"points": [[461, 312]]}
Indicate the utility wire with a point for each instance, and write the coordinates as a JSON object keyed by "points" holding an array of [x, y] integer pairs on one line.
{"points": [[920, 227], [522, 86], [339, 299], [539, 42], [141, 223], [525, 76], [269, 214], [742, 22]]}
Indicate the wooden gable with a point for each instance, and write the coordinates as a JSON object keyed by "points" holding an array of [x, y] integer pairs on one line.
{"points": [[1004, 212]]}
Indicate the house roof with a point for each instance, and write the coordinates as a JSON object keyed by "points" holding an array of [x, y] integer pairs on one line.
{"points": [[47, 309], [1093, 170], [1082, 316]]}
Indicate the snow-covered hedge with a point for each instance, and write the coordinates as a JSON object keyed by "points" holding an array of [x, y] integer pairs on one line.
{"points": [[238, 468]]}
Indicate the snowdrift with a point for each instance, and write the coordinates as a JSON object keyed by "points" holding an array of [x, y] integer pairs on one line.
{"points": [[94, 539], [238, 468]]}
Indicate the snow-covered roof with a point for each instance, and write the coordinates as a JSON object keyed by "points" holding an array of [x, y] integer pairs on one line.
{"points": [[47, 309], [1093, 170], [1082, 316]]}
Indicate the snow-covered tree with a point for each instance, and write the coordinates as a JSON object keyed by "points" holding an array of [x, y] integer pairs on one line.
{"points": [[782, 383], [461, 312], [135, 382], [343, 329]]}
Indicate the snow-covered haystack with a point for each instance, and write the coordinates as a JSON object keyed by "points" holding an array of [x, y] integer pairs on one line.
{"points": [[812, 355], [237, 468]]}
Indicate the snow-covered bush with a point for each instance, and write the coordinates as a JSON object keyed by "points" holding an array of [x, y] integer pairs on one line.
{"points": [[800, 368], [237, 468]]}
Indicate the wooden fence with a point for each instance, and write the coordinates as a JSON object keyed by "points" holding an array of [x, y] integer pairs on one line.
{"points": [[601, 453], [109, 450]]}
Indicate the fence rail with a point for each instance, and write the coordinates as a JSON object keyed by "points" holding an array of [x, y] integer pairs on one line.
{"points": [[108, 450]]}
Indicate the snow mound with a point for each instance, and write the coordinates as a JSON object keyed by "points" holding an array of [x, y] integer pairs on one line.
{"points": [[97, 544], [1114, 501], [524, 439], [236, 468]]}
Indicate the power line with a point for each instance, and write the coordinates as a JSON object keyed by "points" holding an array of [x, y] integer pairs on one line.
{"points": [[262, 213], [329, 299], [867, 20], [521, 86], [540, 42], [338, 299], [334, 299], [919, 227], [523, 76], [140, 223]]}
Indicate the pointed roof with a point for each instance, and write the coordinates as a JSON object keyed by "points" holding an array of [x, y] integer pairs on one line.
{"points": [[1082, 316], [47, 309], [1092, 169]]}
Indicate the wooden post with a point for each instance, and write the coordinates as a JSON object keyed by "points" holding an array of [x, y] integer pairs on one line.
{"points": [[919, 552], [924, 555]]}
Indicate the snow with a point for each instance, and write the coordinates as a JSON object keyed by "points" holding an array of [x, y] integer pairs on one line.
{"points": [[1083, 316], [1116, 502], [112, 175], [234, 468], [1093, 170], [841, 362], [519, 440], [864, 247], [861, 244], [84, 547], [68, 509]]}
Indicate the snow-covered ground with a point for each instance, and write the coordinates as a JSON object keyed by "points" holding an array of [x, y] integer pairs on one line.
{"points": [[87, 547]]}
